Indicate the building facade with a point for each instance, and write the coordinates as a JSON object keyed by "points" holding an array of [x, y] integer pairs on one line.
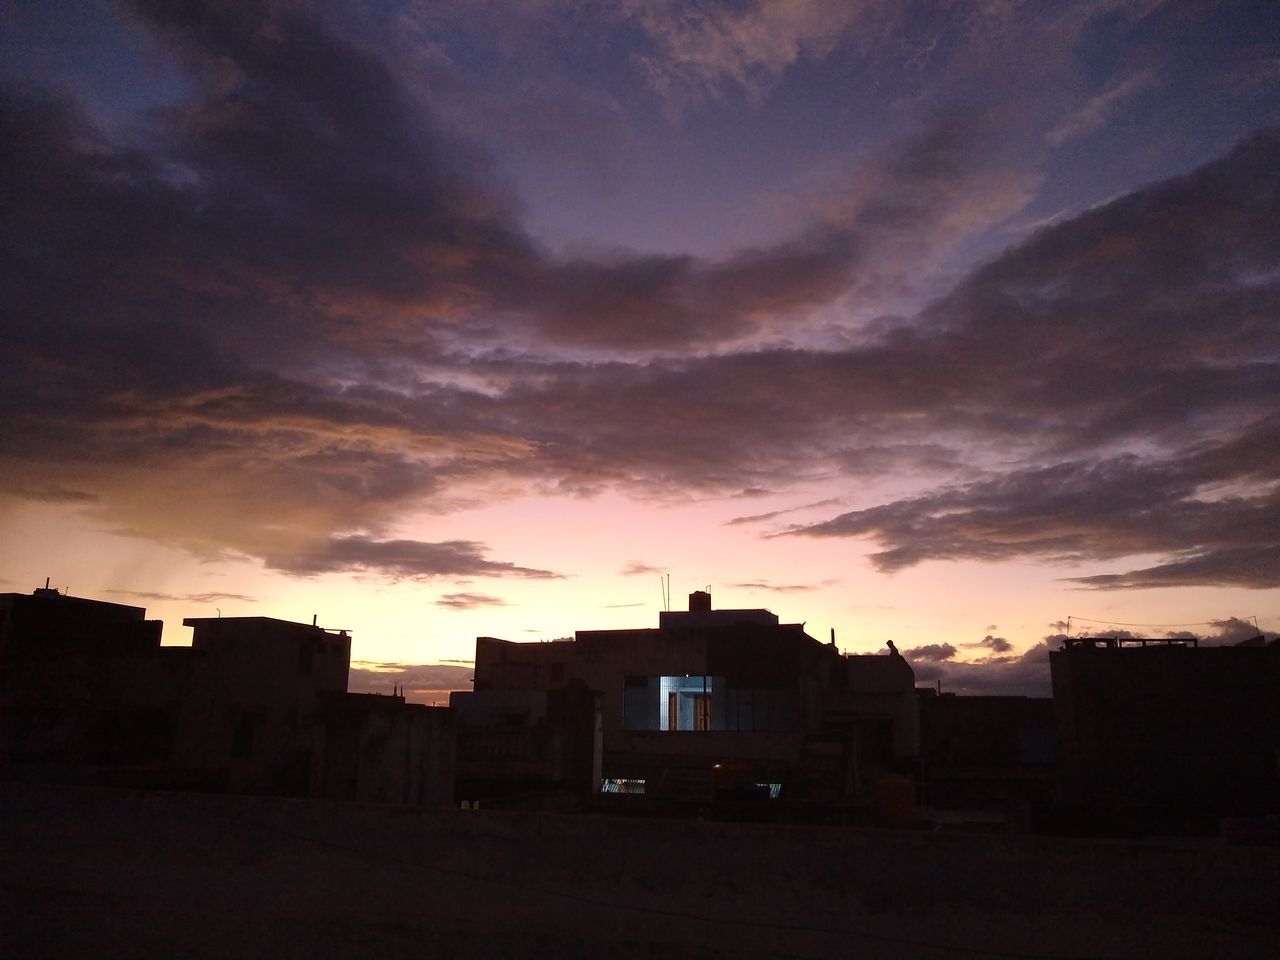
{"points": [[710, 704], [1169, 729]]}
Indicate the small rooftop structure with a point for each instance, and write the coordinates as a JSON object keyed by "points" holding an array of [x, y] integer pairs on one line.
{"points": [[701, 615], [1116, 643]]}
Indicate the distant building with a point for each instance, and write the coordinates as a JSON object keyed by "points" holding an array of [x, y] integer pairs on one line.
{"points": [[1168, 729], [710, 703], [254, 705]]}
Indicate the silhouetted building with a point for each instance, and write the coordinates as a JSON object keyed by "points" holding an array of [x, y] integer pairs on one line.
{"points": [[711, 703], [84, 684], [528, 747], [379, 748], [254, 710], [987, 753], [1167, 731], [874, 711], [254, 705]]}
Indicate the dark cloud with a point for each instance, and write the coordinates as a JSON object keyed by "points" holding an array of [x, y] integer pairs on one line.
{"points": [[1085, 510], [1235, 630], [257, 286], [675, 300], [53, 493], [931, 651], [1025, 675], [635, 569], [919, 194], [774, 514], [996, 645], [780, 587], [1245, 566], [408, 559], [1143, 325], [183, 597], [468, 601], [176, 315], [288, 311]]}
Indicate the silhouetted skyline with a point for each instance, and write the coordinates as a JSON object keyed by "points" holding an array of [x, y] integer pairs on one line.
{"points": [[926, 324]]}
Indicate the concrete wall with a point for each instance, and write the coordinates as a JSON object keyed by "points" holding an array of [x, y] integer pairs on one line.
{"points": [[882, 686], [513, 743], [503, 665], [1170, 726], [384, 750], [256, 701]]}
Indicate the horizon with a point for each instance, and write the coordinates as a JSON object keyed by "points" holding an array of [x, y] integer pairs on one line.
{"points": [[995, 669]]}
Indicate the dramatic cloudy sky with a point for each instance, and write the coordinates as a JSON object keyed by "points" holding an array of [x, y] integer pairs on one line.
{"points": [[933, 322]]}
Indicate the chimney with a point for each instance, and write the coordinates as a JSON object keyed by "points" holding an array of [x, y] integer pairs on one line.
{"points": [[699, 602]]}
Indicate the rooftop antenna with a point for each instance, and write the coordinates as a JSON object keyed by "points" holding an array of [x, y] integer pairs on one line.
{"points": [[46, 583], [314, 617]]}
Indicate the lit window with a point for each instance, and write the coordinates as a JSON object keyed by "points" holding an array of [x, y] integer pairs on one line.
{"points": [[621, 785]]}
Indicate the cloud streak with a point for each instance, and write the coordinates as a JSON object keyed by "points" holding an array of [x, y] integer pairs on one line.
{"points": [[182, 597], [468, 601], [405, 559]]}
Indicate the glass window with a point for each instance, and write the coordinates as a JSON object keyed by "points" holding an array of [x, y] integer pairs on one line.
{"points": [[621, 785]]}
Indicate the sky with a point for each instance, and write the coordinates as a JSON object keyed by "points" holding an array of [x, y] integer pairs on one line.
{"points": [[952, 324]]}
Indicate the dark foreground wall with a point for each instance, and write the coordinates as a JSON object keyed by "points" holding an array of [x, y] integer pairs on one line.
{"points": [[99, 873], [1169, 729]]}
